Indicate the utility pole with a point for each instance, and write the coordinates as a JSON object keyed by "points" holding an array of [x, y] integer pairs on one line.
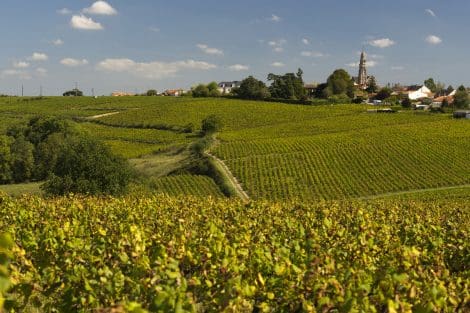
{"points": [[22, 91], [76, 89], [93, 92]]}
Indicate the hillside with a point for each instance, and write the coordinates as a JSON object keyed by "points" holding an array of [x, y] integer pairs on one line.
{"points": [[278, 151]]}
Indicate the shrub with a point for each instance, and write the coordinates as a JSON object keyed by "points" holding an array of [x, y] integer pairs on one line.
{"points": [[211, 124]]}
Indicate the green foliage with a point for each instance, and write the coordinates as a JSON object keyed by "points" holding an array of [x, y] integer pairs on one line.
{"points": [[211, 124], [6, 245], [251, 88], [5, 159], [287, 86], [73, 93], [340, 83], [383, 93], [461, 99], [372, 86], [22, 165], [86, 166], [430, 84], [163, 254], [209, 90], [406, 103], [151, 92]]}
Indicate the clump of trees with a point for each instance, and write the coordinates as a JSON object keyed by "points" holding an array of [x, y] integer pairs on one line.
{"points": [[70, 161], [252, 88], [211, 125], [209, 90], [151, 93], [287, 86], [461, 99], [73, 93]]}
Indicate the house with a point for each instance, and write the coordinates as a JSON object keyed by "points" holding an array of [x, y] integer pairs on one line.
{"points": [[173, 92], [226, 87], [418, 92], [122, 94], [310, 89], [439, 100], [462, 114]]}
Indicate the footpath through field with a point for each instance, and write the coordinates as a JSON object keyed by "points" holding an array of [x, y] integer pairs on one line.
{"points": [[94, 117], [227, 173], [399, 193]]}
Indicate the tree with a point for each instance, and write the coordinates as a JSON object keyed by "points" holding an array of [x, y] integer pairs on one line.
{"points": [[86, 166], [5, 160], [430, 84], [287, 86], [461, 99], [372, 86], [406, 103], [22, 163], [251, 88], [211, 124], [73, 93], [383, 93], [200, 91], [340, 83], [449, 90], [151, 92]]}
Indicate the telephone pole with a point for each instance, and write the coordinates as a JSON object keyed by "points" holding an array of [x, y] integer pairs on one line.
{"points": [[22, 91]]}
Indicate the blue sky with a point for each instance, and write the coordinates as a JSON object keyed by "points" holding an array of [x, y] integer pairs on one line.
{"points": [[141, 44]]}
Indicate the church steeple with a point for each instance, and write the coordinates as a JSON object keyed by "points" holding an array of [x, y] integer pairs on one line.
{"points": [[362, 77]]}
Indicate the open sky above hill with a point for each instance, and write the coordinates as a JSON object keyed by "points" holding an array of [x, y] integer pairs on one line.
{"points": [[138, 45]]}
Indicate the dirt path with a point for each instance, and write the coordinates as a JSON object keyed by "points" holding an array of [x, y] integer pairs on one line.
{"points": [[241, 193], [94, 117], [399, 193]]}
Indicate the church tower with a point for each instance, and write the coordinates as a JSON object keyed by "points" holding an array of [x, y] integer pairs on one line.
{"points": [[362, 78]]}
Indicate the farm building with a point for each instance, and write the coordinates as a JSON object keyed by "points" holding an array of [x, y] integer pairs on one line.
{"points": [[173, 92]]}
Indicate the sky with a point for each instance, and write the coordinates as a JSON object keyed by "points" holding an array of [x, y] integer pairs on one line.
{"points": [[136, 45]]}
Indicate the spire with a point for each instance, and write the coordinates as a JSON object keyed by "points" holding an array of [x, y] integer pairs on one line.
{"points": [[362, 77]]}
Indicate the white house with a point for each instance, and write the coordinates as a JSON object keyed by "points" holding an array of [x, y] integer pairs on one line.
{"points": [[226, 87], [419, 92]]}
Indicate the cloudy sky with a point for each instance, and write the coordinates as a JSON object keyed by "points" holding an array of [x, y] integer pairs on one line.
{"points": [[141, 44]]}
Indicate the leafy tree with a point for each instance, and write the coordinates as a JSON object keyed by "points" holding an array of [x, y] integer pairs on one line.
{"points": [[340, 83], [406, 102], [372, 86], [86, 166], [211, 124], [430, 84], [213, 88], [321, 91], [5, 160], [383, 93], [73, 93], [449, 89], [251, 88], [22, 165], [287, 86], [461, 99], [151, 92], [200, 91]]}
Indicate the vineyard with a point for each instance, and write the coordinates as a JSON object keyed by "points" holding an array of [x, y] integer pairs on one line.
{"points": [[276, 151], [168, 254]]}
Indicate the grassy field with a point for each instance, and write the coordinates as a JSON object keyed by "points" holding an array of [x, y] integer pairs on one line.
{"points": [[278, 151]]}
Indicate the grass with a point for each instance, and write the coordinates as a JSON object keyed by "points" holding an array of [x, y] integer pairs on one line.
{"points": [[16, 190]]}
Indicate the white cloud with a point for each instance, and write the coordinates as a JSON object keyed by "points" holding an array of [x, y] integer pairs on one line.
{"points": [[152, 70], [58, 42], [38, 57], [369, 64], [73, 62], [278, 64], [312, 54], [277, 45], [206, 49], [239, 67], [382, 43], [64, 11], [305, 41], [275, 18], [433, 40], [40, 71], [154, 29], [20, 64], [100, 8], [83, 22], [430, 12], [397, 68], [15, 73]]}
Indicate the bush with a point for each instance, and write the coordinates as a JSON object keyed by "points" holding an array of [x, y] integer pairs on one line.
{"points": [[406, 103], [211, 124], [86, 166]]}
